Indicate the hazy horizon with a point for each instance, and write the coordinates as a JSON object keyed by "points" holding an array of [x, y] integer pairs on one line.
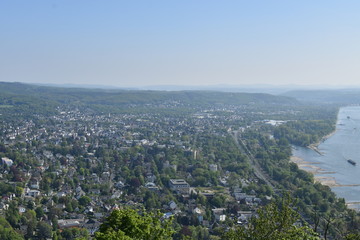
{"points": [[189, 43], [249, 88]]}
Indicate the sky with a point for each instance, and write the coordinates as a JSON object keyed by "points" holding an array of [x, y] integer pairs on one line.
{"points": [[180, 42]]}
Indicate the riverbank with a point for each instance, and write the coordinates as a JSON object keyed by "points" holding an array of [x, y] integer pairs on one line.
{"points": [[311, 167], [326, 159], [315, 146]]}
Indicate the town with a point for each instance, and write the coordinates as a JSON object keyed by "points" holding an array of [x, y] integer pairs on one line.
{"points": [[63, 172]]}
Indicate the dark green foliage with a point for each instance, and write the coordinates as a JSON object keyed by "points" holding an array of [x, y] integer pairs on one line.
{"points": [[6, 188], [12, 215], [275, 221], [7, 232], [129, 224], [74, 234], [84, 201], [44, 230], [303, 133]]}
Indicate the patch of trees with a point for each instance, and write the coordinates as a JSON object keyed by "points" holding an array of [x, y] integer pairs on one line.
{"points": [[126, 224], [303, 133], [7, 232], [277, 220]]}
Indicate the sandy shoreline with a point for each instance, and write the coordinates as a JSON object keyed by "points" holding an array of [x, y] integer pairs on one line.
{"points": [[314, 146], [320, 175], [311, 167]]}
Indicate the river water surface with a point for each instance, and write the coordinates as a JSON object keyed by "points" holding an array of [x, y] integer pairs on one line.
{"points": [[332, 166]]}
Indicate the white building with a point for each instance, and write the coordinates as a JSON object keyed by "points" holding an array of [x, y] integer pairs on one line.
{"points": [[7, 161]]}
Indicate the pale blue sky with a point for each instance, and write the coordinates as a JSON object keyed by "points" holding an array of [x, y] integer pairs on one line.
{"points": [[180, 42]]}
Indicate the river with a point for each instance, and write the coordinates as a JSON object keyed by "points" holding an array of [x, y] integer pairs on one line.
{"points": [[331, 166]]}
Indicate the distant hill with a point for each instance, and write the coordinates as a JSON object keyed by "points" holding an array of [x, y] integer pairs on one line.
{"points": [[138, 96], [341, 96], [45, 97], [242, 88], [270, 89]]}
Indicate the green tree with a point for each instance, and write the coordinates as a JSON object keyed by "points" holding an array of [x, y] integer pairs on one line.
{"points": [[39, 212], [30, 219], [44, 230], [352, 236], [7, 232], [275, 221], [12, 214], [84, 201], [18, 191], [74, 233], [129, 224]]}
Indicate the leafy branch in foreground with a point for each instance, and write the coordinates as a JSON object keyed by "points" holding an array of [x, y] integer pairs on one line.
{"points": [[127, 224], [277, 220]]}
